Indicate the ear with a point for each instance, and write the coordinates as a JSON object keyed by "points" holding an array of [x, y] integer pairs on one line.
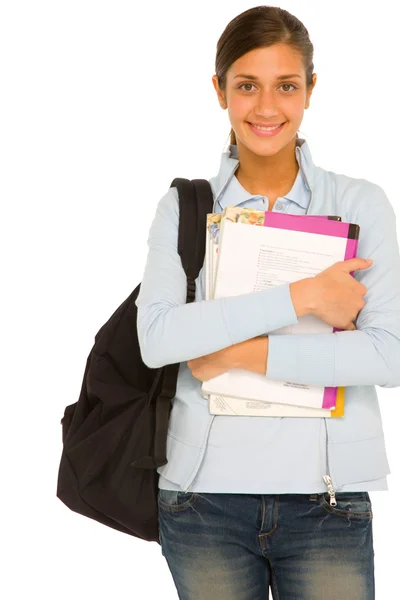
{"points": [[310, 90], [220, 94]]}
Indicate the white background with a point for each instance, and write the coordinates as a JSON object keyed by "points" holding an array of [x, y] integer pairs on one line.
{"points": [[103, 104]]}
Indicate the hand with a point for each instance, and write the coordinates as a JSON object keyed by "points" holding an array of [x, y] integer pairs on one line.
{"points": [[349, 327], [211, 365], [336, 297]]}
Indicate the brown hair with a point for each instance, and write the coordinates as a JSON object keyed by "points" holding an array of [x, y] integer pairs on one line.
{"points": [[260, 27]]}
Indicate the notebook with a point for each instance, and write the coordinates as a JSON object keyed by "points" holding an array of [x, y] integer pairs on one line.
{"points": [[290, 247]]}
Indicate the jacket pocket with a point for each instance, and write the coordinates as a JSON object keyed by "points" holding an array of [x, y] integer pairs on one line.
{"points": [[358, 461]]}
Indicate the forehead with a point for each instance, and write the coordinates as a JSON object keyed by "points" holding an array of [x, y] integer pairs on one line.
{"points": [[272, 61]]}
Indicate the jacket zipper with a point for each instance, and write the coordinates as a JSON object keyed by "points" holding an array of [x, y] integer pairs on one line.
{"points": [[327, 478]]}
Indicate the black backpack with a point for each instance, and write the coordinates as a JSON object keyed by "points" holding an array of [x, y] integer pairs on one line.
{"points": [[114, 437]]}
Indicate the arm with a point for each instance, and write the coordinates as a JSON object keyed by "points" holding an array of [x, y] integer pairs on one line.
{"points": [[172, 331], [251, 355], [371, 354]]}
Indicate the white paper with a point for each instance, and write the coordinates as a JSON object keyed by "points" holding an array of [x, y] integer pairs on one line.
{"points": [[254, 258], [223, 405]]}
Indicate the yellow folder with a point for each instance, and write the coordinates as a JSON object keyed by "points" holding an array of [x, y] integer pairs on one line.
{"points": [[339, 410]]}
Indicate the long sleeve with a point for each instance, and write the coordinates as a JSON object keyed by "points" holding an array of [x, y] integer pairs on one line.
{"points": [[371, 354], [172, 331]]}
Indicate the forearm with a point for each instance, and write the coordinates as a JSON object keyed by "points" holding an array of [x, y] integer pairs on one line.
{"points": [[181, 333], [251, 355], [193, 330], [339, 359], [301, 293], [171, 331], [343, 358]]}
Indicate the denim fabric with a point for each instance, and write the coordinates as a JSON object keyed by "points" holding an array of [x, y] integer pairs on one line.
{"points": [[238, 546]]}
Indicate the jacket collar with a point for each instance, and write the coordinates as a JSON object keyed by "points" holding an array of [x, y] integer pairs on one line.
{"points": [[229, 163]]}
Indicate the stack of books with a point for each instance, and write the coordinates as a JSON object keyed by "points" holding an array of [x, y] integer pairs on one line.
{"points": [[280, 248]]}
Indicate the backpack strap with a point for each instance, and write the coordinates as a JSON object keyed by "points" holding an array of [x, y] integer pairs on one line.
{"points": [[195, 201]]}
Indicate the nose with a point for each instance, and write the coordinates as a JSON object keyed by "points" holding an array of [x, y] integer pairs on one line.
{"points": [[267, 104]]}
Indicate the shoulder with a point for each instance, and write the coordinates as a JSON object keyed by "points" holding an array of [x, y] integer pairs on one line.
{"points": [[358, 198], [165, 223], [168, 205]]}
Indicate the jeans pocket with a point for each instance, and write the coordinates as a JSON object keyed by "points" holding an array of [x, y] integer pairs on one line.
{"points": [[353, 505], [175, 501]]}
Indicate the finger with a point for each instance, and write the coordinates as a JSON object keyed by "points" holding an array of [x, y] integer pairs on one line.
{"points": [[355, 264]]}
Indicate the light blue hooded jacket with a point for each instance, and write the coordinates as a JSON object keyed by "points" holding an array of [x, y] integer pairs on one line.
{"points": [[272, 455]]}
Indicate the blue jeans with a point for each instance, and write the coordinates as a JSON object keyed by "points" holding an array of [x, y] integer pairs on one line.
{"points": [[237, 546]]}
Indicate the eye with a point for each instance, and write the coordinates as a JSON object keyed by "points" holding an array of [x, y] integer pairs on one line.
{"points": [[283, 84], [290, 85], [243, 84]]}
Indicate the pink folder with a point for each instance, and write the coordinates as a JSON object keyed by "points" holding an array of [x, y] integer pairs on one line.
{"points": [[327, 225]]}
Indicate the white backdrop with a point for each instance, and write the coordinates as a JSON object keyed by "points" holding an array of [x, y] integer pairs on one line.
{"points": [[103, 104]]}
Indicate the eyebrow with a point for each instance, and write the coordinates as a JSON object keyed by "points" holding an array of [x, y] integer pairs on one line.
{"points": [[256, 78]]}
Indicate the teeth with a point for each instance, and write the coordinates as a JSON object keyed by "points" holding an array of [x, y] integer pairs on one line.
{"points": [[267, 128]]}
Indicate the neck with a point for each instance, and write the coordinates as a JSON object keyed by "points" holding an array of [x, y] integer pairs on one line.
{"points": [[267, 174]]}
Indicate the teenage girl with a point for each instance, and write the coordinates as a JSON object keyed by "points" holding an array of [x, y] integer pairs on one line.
{"points": [[252, 503]]}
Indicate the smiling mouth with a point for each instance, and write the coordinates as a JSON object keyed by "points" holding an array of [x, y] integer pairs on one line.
{"points": [[267, 127]]}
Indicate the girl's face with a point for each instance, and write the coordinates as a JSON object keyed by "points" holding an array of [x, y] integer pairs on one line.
{"points": [[268, 97]]}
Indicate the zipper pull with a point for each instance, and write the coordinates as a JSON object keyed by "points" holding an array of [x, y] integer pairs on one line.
{"points": [[331, 491]]}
